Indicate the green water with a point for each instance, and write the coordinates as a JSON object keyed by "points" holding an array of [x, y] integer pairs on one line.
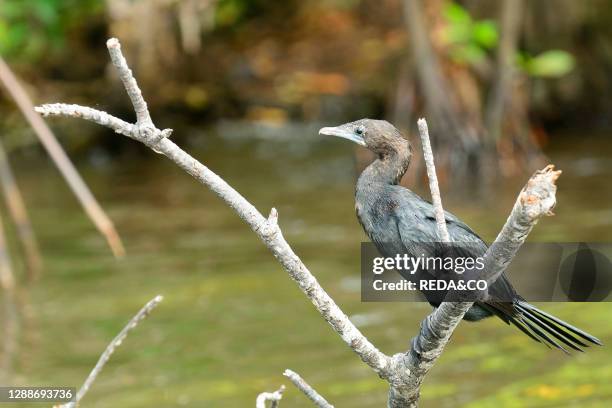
{"points": [[232, 321]]}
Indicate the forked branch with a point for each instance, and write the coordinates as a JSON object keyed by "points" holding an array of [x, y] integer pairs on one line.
{"points": [[267, 229]]}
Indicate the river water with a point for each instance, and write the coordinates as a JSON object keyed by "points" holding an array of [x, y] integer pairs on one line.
{"points": [[232, 321]]}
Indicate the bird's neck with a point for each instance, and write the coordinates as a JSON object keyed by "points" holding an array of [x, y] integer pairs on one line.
{"points": [[389, 168]]}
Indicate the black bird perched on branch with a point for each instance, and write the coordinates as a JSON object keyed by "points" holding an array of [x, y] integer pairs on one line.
{"points": [[394, 218]]}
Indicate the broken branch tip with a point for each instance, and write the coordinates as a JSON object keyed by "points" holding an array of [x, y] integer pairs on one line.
{"points": [[113, 43]]}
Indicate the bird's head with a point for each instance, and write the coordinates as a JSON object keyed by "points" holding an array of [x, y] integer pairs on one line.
{"points": [[379, 136]]}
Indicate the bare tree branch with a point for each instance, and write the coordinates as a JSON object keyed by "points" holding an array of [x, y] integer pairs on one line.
{"points": [[110, 349], [61, 160], [92, 115], [266, 229], [273, 397], [19, 214], [403, 371], [310, 392], [125, 73]]}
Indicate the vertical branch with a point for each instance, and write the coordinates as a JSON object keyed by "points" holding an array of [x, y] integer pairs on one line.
{"points": [[190, 25], [110, 349], [19, 214], [501, 92], [63, 163], [129, 82], [10, 320], [433, 181], [310, 392], [437, 328], [434, 85], [7, 278]]}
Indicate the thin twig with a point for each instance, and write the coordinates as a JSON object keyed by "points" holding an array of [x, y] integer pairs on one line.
{"points": [[273, 397], [433, 181], [61, 160], [90, 114], [310, 392], [110, 349], [125, 73], [19, 215]]}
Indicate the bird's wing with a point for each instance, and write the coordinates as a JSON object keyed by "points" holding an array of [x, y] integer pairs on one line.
{"points": [[416, 223]]}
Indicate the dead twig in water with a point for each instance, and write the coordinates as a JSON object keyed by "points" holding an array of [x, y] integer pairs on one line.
{"points": [[61, 160], [19, 215], [310, 392], [110, 349]]}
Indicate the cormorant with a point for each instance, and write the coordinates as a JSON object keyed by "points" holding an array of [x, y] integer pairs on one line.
{"points": [[395, 218]]}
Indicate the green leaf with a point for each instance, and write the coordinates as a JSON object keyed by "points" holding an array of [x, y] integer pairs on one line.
{"points": [[550, 64], [229, 12], [485, 33], [456, 14]]}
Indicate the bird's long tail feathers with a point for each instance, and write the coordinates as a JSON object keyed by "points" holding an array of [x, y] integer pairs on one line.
{"points": [[543, 327]]}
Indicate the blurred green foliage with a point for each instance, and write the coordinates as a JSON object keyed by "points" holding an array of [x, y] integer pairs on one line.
{"points": [[229, 12], [470, 41], [549, 64], [31, 28]]}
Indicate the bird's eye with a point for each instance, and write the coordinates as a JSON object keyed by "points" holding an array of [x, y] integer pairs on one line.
{"points": [[359, 131]]}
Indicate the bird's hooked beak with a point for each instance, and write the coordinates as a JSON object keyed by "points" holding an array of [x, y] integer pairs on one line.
{"points": [[343, 132]]}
